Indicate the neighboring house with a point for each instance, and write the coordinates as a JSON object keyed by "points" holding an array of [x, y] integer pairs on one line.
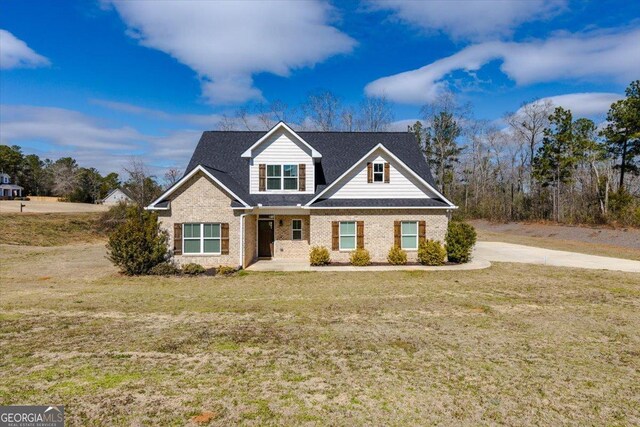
{"points": [[8, 190], [117, 195], [252, 195]]}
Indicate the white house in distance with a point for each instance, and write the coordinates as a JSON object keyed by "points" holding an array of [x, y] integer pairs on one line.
{"points": [[117, 195], [8, 190]]}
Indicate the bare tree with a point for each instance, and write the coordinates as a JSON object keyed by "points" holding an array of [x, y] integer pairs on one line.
{"points": [[348, 119], [375, 114], [65, 176], [141, 184], [226, 123], [171, 176], [242, 114], [322, 110]]}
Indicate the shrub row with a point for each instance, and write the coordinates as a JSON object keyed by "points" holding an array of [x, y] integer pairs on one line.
{"points": [[191, 269]]}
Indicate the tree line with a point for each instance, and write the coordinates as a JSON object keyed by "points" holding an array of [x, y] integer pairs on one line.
{"points": [[65, 179]]}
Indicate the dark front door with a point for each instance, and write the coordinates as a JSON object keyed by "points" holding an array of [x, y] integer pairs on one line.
{"points": [[265, 238]]}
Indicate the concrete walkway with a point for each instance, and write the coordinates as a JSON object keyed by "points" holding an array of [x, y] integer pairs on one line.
{"points": [[509, 252], [303, 265]]}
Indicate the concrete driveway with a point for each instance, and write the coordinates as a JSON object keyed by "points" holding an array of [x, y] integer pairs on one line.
{"points": [[509, 252]]}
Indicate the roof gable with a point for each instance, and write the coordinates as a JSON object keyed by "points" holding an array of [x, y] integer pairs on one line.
{"points": [[280, 127]]}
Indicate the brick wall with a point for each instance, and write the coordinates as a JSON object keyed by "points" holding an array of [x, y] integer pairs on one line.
{"points": [[285, 247], [250, 237], [378, 228], [200, 200]]}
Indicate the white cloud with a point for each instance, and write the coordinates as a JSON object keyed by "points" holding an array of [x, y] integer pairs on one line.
{"points": [[14, 53], [58, 132], [612, 55], [470, 19], [227, 43], [587, 104]]}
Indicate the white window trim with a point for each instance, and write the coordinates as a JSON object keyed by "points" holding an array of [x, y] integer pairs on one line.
{"points": [[373, 176], [201, 239], [282, 177], [409, 235], [294, 229], [355, 236]]}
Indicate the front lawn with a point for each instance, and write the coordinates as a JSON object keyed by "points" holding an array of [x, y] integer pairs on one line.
{"points": [[513, 344]]}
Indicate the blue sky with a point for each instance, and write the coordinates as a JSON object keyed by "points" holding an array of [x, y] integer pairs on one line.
{"points": [[104, 81]]}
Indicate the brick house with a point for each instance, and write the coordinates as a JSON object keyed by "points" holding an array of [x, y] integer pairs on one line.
{"points": [[252, 195]]}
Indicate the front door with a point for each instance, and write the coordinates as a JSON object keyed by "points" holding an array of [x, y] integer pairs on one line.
{"points": [[265, 238]]}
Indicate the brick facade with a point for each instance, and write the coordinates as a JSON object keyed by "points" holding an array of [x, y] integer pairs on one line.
{"points": [[378, 229], [200, 200]]}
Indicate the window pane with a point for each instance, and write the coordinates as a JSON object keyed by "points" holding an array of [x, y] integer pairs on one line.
{"points": [[273, 170], [347, 242], [378, 167], [187, 230], [211, 246], [192, 230], [409, 242], [211, 230], [273, 183], [409, 228], [191, 246], [290, 170], [297, 234], [291, 183], [347, 228], [296, 224], [378, 177]]}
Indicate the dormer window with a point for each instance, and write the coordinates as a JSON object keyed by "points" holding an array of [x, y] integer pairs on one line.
{"points": [[281, 177], [378, 172]]}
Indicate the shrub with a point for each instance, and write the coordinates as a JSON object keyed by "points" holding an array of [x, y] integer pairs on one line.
{"points": [[459, 241], [164, 269], [112, 218], [319, 255], [360, 257], [193, 269], [137, 244], [431, 252], [226, 270], [397, 256]]}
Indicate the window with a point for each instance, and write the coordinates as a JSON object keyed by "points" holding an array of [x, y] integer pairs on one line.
{"points": [[201, 238], [274, 177], [378, 172], [409, 234], [282, 177], [296, 229], [347, 235]]}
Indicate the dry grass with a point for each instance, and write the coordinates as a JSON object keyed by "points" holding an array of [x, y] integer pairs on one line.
{"points": [[513, 344], [48, 229]]}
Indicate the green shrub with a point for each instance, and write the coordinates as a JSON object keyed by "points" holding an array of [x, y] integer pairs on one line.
{"points": [[164, 269], [137, 244], [226, 270], [193, 269], [461, 237], [319, 255], [112, 218], [360, 257], [431, 252], [397, 256]]}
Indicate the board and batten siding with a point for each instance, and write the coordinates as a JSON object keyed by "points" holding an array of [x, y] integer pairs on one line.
{"points": [[401, 185], [281, 148]]}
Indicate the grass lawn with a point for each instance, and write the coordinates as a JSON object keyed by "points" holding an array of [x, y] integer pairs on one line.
{"points": [[513, 344], [48, 229]]}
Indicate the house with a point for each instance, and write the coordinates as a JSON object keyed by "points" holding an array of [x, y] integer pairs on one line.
{"points": [[8, 190], [275, 194], [117, 195]]}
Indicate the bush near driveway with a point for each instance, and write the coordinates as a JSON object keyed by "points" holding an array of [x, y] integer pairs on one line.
{"points": [[431, 252], [137, 244], [460, 239]]}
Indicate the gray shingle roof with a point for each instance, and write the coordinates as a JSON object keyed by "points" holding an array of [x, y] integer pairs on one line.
{"points": [[219, 152]]}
